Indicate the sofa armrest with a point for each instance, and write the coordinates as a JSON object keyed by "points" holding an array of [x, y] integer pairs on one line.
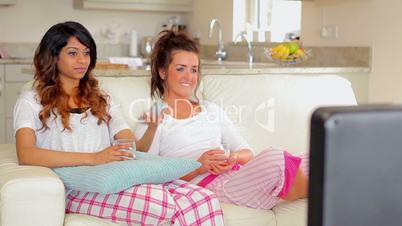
{"points": [[29, 195]]}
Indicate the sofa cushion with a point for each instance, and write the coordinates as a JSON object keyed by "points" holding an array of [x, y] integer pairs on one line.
{"points": [[27, 193], [234, 216], [86, 220], [239, 216], [133, 94], [118, 176], [291, 213], [275, 110]]}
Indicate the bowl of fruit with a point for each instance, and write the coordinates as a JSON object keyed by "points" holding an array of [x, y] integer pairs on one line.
{"points": [[287, 53]]}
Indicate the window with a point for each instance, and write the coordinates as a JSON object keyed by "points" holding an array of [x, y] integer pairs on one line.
{"points": [[267, 20]]}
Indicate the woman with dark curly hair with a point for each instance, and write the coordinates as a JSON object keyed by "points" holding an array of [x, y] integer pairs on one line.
{"points": [[66, 120]]}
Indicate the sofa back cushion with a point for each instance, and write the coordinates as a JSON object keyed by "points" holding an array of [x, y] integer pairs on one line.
{"points": [[269, 110], [275, 110], [133, 94]]}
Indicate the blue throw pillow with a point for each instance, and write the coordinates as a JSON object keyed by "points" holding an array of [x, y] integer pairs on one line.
{"points": [[118, 176]]}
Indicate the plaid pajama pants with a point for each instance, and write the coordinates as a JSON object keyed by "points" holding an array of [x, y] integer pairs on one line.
{"points": [[258, 183], [177, 203]]}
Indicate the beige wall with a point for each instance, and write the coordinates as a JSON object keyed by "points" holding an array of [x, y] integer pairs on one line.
{"points": [[375, 23], [206, 10], [28, 20], [360, 22]]}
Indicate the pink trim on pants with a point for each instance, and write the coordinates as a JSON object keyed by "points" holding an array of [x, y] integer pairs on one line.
{"points": [[291, 167], [211, 177], [257, 184]]}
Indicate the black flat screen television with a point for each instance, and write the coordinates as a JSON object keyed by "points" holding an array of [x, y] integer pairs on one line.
{"points": [[355, 176]]}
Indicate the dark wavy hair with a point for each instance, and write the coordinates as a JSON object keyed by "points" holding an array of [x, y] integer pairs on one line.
{"points": [[162, 55], [47, 81]]}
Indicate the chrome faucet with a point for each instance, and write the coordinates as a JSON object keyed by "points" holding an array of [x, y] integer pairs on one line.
{"points": [[221, 54], [243, 35]]}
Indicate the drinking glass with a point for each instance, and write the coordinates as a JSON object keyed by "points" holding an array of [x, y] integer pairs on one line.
{"points": [[226, 148], [131, 143]]}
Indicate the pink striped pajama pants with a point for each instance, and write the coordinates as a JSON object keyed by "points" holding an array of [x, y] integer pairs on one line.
{"points": [[177, 203], [258, 183]]}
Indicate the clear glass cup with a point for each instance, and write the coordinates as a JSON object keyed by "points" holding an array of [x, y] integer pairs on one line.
{"points": [[221, 146], [226, 148], [130, 142]]}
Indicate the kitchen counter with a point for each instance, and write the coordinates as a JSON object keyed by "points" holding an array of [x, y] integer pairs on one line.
{"points": [[16, 61], [230, 70], [21, 70], [213, 67]]}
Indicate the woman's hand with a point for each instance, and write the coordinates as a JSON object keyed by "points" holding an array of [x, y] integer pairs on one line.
{"points": [[208, 158], [144, 143], [219, 168], [112, 154], [153, 119]]}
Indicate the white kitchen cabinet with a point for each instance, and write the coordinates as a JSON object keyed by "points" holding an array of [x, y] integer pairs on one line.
{"points": [[13, 91], [2, 106], [139, 5], [14, 80], [13, 73]]}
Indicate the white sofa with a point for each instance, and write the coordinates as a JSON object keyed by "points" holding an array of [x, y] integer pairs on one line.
{"points": [[269, 110]]}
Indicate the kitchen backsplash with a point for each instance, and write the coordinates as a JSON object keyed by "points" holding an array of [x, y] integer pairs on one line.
{"points": [[321, 56]]}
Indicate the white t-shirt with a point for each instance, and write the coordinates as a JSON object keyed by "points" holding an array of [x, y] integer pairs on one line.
{"points": [[189, 138], [86, 135]]}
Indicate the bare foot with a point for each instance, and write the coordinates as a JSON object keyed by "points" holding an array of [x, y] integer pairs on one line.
{"points": [[299, 188]]}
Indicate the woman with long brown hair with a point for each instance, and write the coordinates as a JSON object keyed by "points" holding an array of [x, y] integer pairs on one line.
{"points": [[199, 130], [66, 120]]}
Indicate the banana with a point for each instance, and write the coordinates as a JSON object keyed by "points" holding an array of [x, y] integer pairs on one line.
{"points": [[281, 51], [277, 48], [287, 51], [277, 54], [300, 53], [284, 52]]}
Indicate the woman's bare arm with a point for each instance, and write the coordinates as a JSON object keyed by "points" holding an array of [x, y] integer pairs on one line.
{"points": [[193, 174], [153, 121], [145, 142], [29, 154], [125, 134]]}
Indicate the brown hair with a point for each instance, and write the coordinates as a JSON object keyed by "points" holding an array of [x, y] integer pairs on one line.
{"points": [[162, 55], [47, 82]]}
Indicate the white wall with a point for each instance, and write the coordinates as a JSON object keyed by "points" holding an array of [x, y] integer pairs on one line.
{"points": [[285, 18], [206, 10], [375, 23], [28, 20]]}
